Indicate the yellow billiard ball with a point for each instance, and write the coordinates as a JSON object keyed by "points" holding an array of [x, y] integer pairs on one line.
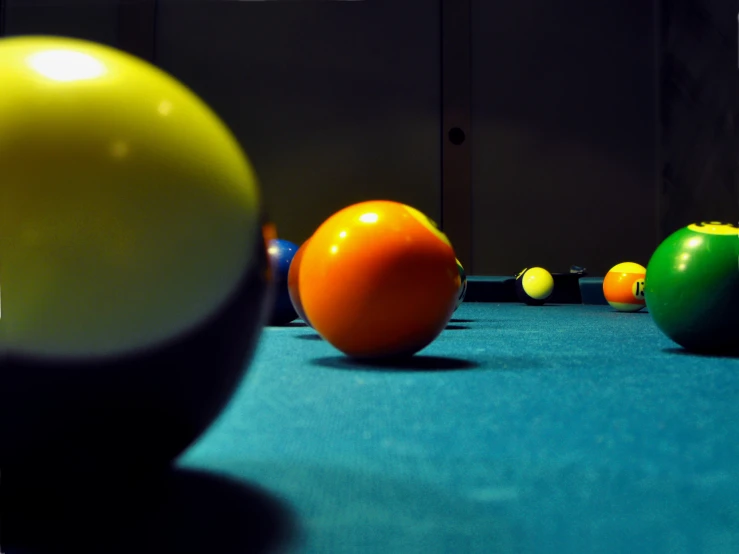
{"points": [[534, 286], [132, 258]]}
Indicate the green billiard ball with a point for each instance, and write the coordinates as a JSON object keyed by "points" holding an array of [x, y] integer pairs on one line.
{"points": [[692, 287]]}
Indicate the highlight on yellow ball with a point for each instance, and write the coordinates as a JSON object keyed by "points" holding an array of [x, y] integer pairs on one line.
{"points": [[128, 211], [623, 287]]}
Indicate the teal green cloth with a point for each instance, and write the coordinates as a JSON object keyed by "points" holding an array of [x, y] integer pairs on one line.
{"points": [[554, 429]]}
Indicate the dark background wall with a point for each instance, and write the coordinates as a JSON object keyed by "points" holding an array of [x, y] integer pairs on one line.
{"points": [[564, 129], [699, 123], [336, 102], [591, 129], [96, 21]]}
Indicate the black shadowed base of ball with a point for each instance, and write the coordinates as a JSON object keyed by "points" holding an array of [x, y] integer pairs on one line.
{"points": [[173, 510], [73, 421]]}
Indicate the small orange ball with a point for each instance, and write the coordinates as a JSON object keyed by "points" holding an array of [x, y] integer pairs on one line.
{"points": [[293, 282], [379, 279], [623, 287]]}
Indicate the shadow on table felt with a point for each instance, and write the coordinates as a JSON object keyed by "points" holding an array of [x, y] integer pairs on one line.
{"points": [[309, 336], [177, 511], [412, 363], [450, 327], [296, 323], [355, 509], [683, 352], [455, 320]]}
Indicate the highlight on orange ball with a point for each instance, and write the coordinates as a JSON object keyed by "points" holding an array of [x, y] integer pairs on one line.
{"points": [[379, 279], [623, 287]]}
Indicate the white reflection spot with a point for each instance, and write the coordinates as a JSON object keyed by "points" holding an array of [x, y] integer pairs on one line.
{"points": [[369, 217], [165, 108], [66, 65]]}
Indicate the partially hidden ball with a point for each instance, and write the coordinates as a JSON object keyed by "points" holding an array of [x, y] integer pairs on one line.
{"points": [[281, 254], [462, 285], [293, 283], [691, 287]]}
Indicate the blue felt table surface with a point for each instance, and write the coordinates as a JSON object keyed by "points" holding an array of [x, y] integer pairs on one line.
{"points": [[520, 429]]}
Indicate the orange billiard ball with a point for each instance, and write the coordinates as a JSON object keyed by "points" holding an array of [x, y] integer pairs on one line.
{"points": [[293, 282], [623, 287], [379, 279]]}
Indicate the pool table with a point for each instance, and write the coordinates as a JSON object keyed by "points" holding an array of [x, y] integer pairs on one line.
{"points": [[565, 428]]}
